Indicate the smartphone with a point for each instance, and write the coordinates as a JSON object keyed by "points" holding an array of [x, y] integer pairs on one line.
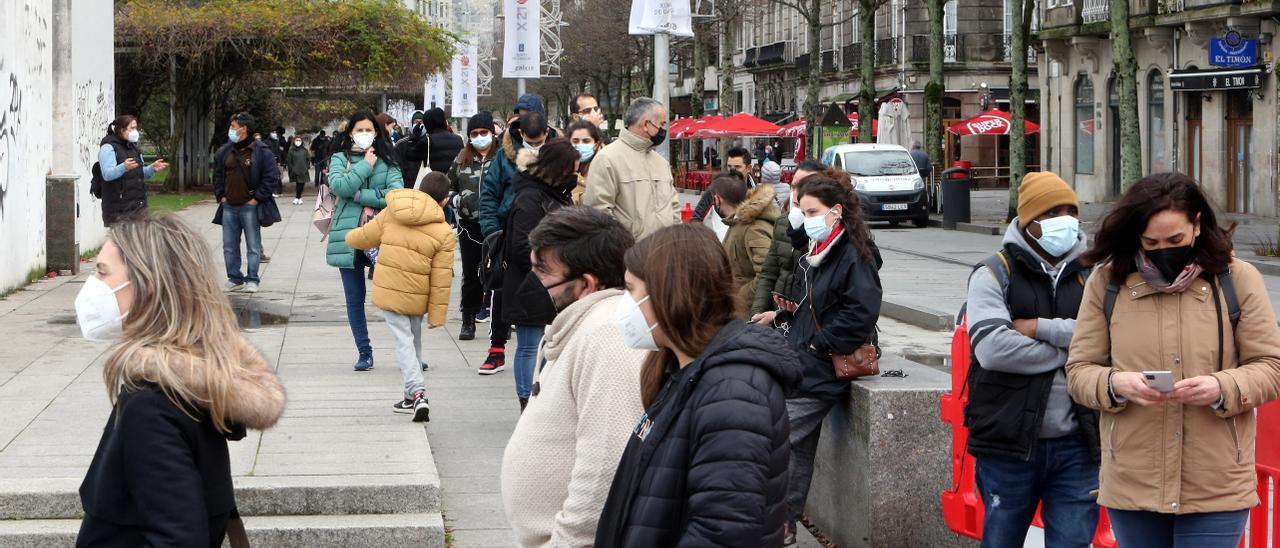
{"points": [[1159, 380], [783, 297]]}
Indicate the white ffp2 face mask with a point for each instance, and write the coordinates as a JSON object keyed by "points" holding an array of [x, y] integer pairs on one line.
{"points": [[636, 332], [795, 217], [363, 140], [97, 311]]}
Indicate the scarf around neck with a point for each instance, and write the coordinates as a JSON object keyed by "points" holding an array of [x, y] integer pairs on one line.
{"points": [[1155, 279], [820, 251]]}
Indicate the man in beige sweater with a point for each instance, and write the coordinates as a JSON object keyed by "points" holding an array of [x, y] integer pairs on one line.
{"points": [[629, 180], [560, 461]]}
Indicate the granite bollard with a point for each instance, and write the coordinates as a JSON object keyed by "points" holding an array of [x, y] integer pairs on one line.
{"points": [[883, 461]]}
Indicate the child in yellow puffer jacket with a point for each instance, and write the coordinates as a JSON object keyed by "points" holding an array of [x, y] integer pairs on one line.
{"points": [[413, 275]]}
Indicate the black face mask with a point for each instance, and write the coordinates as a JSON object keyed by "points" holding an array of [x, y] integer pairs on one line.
{"points": [[1171, 260], [537, 300], [658, 137]]}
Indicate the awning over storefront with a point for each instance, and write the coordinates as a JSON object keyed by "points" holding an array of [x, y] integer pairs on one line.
{"points": [[1216, 80]]}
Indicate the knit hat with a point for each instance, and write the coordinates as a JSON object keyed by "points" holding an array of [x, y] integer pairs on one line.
{"points": [[482, 119], [771, 172], [417, 115], [434, 120], [1042, 191]]}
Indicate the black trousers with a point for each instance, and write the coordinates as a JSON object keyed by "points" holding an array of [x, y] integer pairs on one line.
{"points": [[499, 331], [470, 240]]}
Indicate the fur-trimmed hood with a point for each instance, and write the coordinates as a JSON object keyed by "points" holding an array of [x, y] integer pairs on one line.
{"points": [[525, 157], [257, 398], [511, 144], [758, 205]]}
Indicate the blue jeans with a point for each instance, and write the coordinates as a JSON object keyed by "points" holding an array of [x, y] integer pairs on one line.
{"points": [[1059, 476], [235, 220], [527, 339], [1136, 529], [353, 287]]}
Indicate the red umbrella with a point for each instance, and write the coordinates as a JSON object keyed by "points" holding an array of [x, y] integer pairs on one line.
{"points": [[794, 129], [991, 122], [738, 125], [689, 125]]}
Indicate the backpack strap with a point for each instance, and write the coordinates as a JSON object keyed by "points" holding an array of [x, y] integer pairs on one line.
{"points": [[1229, 292], [998, 265], [1109, 301]]}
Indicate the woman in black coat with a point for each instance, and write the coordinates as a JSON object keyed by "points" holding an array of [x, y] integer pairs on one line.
{"points": [[182, 380], [543, 187], [707, 464], [837, 290], [120, 180]]}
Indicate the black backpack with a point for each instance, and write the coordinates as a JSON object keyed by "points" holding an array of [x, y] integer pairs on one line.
{"points": [[492, 267], [97, 182]]}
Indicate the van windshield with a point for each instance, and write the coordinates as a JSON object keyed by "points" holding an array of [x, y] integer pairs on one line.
{"points": [[874, 163]]}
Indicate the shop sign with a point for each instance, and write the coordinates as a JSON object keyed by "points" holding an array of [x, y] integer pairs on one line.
{"points": [[1215, 80], [1232, 51]]}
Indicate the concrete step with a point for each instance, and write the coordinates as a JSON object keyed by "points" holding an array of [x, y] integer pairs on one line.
{"points": [[255, 496], [424, 529]]}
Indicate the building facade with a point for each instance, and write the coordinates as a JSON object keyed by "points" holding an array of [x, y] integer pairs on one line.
{"points": [[773, 57], [1215, 123]]}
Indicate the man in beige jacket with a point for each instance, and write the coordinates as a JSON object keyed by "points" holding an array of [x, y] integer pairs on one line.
{"points": [[560, 461], [629, 180]]}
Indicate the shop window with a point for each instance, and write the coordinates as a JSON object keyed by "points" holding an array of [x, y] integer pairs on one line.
{"points": [[1084, 124]]}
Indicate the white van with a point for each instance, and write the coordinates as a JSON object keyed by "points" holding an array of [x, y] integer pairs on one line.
{"points": [[886, 181]]}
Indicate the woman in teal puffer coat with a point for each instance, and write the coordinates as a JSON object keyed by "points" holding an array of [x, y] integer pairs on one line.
{"points": [[361, 174]]}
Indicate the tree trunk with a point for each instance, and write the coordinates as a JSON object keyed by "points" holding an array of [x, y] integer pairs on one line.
{"points": [[1126, 78], [698, 96], [1018, 102], [937, 86], [811, 107], [867, 93], [728, 100]]}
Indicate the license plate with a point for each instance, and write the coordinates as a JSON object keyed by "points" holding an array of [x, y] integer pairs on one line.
{"points": [[893, 207]]}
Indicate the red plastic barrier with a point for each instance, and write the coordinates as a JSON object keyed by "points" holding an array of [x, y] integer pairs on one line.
{"points": [[962, 506]]}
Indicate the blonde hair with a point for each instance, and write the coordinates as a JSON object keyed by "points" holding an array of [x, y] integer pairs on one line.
{"points": [[180, 332]]}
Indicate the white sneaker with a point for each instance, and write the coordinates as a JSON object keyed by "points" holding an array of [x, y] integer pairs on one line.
{"points": [[235, 286], [251, 287], [297, 201]]}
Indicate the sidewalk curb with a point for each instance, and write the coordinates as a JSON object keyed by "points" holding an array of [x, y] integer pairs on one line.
{"points": [[1267, 268], [919, 316]]}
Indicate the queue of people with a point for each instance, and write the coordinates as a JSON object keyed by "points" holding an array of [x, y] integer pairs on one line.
{"points": [[673, 387]]}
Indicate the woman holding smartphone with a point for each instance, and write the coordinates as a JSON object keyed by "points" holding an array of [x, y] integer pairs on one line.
{"points": [[1177, 465]]}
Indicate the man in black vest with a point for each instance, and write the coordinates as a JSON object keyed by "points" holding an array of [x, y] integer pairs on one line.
{"points": [[1033, 445]]}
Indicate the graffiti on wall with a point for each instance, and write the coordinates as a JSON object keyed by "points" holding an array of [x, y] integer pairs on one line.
{"points": [[93, 113], [23, 74]]}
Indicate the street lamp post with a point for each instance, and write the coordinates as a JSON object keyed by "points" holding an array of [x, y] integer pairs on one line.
{"points": [[661, 81]]}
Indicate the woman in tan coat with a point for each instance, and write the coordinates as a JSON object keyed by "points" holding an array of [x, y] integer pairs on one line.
{"points": [[1177, 465]]}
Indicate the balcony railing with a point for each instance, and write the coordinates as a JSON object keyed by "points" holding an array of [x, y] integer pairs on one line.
{"points": [[802, 63], [1008, 50], [829, 61], [1170, 6], [886, 51], [1095, 11], [852, 56], [952, 48]]}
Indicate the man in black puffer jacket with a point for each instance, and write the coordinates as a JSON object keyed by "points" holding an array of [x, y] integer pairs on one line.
{"points": [[712, 469], [438, 147]]}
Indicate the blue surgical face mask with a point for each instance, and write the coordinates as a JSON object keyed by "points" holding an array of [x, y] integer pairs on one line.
{"points": [[585, 151], [1058, 236], [233, 136], [482, 141], [817, 228]]}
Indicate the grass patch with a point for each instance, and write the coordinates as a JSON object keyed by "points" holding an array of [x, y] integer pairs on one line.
{"points": [[161, 204], [88, 255], [35, 274], [1268, 248]]}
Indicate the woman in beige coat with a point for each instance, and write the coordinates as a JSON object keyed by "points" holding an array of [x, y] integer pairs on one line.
{"points": [[1177, 465]]}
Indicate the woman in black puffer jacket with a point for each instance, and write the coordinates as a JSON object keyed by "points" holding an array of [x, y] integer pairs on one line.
{"points": [[707, 464]]}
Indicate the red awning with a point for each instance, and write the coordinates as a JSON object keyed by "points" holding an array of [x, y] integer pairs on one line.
{"points": [[991, 122], [794, 129], [738, 125]]}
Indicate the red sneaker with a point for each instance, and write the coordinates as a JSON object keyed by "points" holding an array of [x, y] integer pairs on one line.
{"points": [[495, 363]]}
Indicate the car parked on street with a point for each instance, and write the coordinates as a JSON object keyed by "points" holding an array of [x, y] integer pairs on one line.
{"points": [[886, 180]]}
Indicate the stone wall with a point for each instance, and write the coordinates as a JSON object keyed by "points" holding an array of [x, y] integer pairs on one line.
{"points": [[93, 69]]}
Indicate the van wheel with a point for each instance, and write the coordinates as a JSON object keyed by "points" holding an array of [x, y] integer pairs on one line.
{"points": [[922, 222]]}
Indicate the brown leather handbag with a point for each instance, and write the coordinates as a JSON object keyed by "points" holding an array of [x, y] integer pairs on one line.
{"points": [[863, 362]]}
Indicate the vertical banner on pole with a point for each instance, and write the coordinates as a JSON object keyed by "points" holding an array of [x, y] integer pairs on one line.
{"points": [[522, 48], [661, 16], [433, 92], [465, 82]]}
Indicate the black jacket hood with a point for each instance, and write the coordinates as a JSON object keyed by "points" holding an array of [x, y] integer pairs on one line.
{"points": [[740, 344]]}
